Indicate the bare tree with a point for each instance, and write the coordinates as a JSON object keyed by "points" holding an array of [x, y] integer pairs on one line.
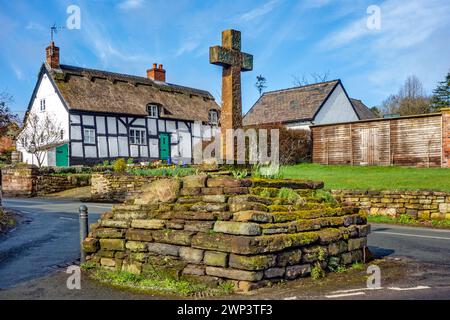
{"points": [[40, 133], [303, 80], [411, 99], [260, 83], [7, 118]]}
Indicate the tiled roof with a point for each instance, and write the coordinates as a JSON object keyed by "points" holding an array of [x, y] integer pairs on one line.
{"points": [[362, 110], [294, 104]]}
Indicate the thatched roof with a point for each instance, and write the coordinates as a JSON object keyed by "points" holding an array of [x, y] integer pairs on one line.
{"points": [[294, 104], [101, 91]]}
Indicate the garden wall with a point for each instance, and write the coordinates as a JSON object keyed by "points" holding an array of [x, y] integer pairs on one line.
{"points": [[424, 205], [212, 229], [29, 181], [117, 187]]}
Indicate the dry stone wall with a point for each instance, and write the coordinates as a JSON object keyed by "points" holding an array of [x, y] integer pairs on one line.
{"points": [[213, 229], [423, 205], [28, 181]]}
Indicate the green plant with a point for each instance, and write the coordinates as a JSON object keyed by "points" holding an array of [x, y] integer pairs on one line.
{"points": [[322, 254], [407, 219], [317, 272], [130, 161], [88, 266], [266, 172], [106, 163], [239, 174], [265, 193], [324, 196], [226, 287], [290, 195], [338, 268], [120, 165], [357, 265]]}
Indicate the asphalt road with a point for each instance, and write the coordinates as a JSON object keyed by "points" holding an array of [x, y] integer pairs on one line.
{"points": [[47, 237]]}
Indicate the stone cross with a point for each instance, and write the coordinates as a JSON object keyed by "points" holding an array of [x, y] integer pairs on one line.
{"points": [[233, 61]]}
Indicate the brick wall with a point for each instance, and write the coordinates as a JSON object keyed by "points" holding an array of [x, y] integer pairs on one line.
{"points": [[424, 205], [212, 229], [446, 137]]}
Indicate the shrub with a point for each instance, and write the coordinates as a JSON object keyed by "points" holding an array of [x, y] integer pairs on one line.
{"points": [[290, 194], [324, 196], [239, 174], [119, 165], [130, 161], [317, 271]]}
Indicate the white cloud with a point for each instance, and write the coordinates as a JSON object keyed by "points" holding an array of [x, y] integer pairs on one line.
{"points": [[130, 4], [259, 11], [17, 71], [187, 47], [36, 27]]}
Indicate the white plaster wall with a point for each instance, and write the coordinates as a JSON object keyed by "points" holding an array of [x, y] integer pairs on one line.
{"points": [[54, 108], [336, 109]]}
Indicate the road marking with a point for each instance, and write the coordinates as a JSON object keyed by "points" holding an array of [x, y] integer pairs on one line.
{"points": [[406, 289], [290, 298], [353, 290], [345, 295], [411, 235], [64, 218]]}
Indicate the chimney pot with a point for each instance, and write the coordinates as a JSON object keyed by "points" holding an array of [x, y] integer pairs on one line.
{"points": [[157, 73], [52, 56]]}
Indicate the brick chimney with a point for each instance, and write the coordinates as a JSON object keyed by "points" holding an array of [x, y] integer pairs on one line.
{"points": [[52, 56], [157, 73]]}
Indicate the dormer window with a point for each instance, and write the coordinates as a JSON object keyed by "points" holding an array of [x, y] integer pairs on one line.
{"points": [[213, 117], [153, 110]]}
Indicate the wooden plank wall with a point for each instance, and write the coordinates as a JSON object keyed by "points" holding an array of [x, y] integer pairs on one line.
{"points": [[414, 141]]}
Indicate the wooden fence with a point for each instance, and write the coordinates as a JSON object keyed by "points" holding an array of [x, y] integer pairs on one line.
{"points": [[408, 141]]}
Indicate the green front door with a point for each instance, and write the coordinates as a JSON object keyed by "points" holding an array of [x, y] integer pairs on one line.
{"points": [[62, 156], [164, 146]]}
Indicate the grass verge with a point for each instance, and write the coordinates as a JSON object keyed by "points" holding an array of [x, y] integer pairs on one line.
{"points": [[371, 177], [405, 219]]}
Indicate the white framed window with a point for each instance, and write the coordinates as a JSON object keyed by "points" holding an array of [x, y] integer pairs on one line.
{"points": [[42, 105], [213, 117], [137, 136], [89, 136], [153, 110]]}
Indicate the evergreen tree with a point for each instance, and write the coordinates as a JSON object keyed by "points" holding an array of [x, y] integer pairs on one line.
{"points": [[441, 95]]}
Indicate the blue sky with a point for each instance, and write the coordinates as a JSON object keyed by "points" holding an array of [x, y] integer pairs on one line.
{"points": [[287, 38]]}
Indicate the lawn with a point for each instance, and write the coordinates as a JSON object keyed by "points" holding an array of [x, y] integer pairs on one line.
{"points": [[374, 178]]}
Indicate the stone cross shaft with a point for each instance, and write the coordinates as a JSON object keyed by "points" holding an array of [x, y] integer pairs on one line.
{"points": [[233, 61]]}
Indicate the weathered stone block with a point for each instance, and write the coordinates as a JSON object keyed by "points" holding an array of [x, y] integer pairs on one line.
{"points": [[274, 273], [214, 198], [357, 243], [190, 191], [201, 226], [163, 190], [237, 228], [290, 257], [151, 224], [91, 245], [216, 259], [164, 249], [227, 182], [293, 272], [108, 262], [250, 198], [112, 244], [195, 181], [114, 223], [139, 235], [191, 255], [246, 206], [254, 216], [329, 235], [209, 207], [234, 274], [252, 263], [235, 190], [136, 246], [215, 190], [132, 267], [169, 236], [193, 269], [110, 233]]}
